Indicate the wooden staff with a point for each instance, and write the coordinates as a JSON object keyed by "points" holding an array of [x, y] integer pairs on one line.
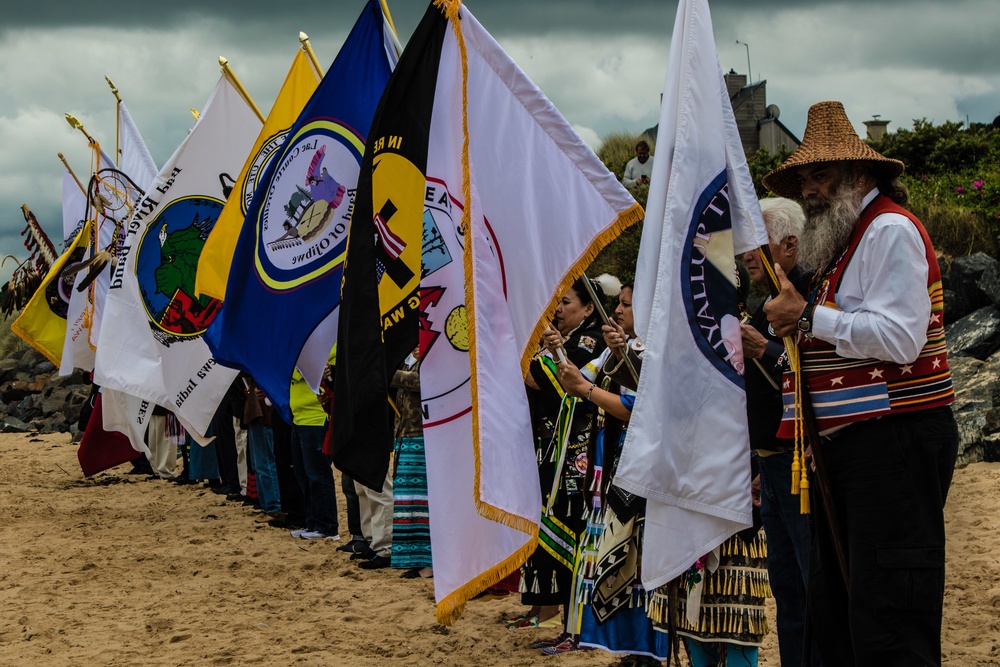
{"points": [[815, 440]]}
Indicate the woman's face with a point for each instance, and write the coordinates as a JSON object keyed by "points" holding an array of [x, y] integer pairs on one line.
{"points": [[623, 313], [570, 313]]}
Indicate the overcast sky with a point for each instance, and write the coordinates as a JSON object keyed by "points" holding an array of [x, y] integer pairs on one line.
{"points": [[602, 62]]}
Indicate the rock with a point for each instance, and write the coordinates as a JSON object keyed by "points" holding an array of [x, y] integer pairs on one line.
{"points": [[944, 265], [51, 424], [8, 367], [976, 335], [953, 309], [963, 280], [989, 284], [44, 367], [13, 425], [977, 397], [14, 391]]}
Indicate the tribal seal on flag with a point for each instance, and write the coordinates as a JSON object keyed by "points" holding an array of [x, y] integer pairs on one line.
{"points": [[709, 284], [166, 266], [302, 230]]}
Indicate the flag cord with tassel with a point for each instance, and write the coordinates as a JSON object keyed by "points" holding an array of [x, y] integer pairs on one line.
{"points": [[806, 426]]}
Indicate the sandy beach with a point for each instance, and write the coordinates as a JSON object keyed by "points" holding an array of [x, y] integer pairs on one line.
{"points": [[123, 570]]}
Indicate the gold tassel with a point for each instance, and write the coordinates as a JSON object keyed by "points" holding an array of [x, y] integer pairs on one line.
{"points": [[796, 471], [804, 496]]}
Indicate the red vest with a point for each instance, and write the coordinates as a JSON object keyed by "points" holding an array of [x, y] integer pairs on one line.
{"points": [[845, 390]]}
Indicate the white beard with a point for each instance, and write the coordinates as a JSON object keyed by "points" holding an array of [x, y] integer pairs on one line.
{"points": [[828, 226]]}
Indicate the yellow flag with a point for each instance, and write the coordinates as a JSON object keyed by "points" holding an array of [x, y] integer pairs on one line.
{"points": [[217, 255], [42, 323]]}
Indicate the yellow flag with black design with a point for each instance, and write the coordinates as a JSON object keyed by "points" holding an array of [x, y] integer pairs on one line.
{"points": [[42, 323]]}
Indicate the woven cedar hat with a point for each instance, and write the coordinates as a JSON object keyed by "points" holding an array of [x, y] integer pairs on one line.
{"points": [[829, 137]]}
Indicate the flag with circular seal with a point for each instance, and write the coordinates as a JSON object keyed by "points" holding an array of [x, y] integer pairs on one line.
{"points": [[280, 311]]}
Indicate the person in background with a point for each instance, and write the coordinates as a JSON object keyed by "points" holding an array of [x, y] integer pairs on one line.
{"points": [[786, 527], [640, 168], [411, 530]]}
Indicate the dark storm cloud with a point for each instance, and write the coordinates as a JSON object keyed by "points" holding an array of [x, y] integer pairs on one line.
{"points": [[602, 64]]}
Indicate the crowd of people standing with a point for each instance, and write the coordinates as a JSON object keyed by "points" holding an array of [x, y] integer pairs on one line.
{"points": [[860, 296]]}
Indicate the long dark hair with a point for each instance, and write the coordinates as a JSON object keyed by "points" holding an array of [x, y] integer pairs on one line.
{"points": [[580, 288]]}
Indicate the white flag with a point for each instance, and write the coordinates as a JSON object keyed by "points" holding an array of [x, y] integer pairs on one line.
{"points": [[491, 272], [155, 351], [687, 449], [76, 352]]}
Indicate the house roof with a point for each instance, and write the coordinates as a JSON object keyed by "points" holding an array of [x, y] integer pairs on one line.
{"points": [[745, 93]]}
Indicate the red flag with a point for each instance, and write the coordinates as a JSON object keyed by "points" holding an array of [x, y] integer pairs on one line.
{"points": [[101, 450]]}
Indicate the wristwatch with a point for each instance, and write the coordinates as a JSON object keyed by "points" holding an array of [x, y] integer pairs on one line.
{"points": [[805, 323]]}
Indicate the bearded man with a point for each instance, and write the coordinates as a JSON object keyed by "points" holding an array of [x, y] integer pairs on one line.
{"points": [[875, 366]]}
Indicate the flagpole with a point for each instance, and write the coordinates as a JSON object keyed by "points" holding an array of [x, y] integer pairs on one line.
{"points": [[607, 320], [118, 128], [388, 17], [307, 47], [228, 72], [75, 123], [815, 440], [72, 173]]}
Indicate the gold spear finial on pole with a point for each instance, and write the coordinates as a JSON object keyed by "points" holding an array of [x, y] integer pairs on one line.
{"points": [[75, 123], [62, 158], [228, 72], [307, 47], [195, 113], [114, 89]]}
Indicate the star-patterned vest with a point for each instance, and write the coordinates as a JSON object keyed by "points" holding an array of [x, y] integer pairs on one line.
{"points": [[845, 390]]}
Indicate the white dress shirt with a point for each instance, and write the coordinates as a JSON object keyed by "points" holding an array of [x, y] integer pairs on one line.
{"points": [[883, 299]]}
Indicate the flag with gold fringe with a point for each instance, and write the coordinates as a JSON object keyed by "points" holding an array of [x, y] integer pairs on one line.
{"points": [[498, 250]]}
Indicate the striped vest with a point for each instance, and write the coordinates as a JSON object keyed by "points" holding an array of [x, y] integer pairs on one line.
{"points": [[845, 390]]}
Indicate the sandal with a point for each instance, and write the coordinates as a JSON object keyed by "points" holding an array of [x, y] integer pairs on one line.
{"points": [[545, 643], [565, 646]]}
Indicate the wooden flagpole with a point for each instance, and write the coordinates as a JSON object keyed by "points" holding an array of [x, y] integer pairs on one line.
{"points": [[307, 47], [228, 71], [118, 129], [72, 173]]}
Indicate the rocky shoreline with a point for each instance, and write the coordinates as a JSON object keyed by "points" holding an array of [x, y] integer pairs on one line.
{"points": [[35, 398]]}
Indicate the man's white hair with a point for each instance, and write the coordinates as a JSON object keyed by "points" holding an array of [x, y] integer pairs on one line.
{"points": [[783, 218]]}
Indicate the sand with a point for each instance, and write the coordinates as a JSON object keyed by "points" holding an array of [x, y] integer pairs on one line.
{"points": [[122, 570]]}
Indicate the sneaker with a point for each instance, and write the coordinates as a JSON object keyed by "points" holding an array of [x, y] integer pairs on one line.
{"points": [[300, 532], [367, 554], [376, 563], [311, 535], [354, 547], [332, 538]]}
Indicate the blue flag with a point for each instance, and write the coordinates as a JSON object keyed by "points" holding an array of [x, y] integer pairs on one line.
{"points": [[283, 292]]}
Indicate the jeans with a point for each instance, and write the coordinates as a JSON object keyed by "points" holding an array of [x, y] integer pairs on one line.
{"points": [[787, 533], [315, 476], [261, 449]]}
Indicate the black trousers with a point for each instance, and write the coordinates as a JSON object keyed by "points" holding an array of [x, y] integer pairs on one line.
{"points": [[292, 501], [889, 479], [353, 507]]}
